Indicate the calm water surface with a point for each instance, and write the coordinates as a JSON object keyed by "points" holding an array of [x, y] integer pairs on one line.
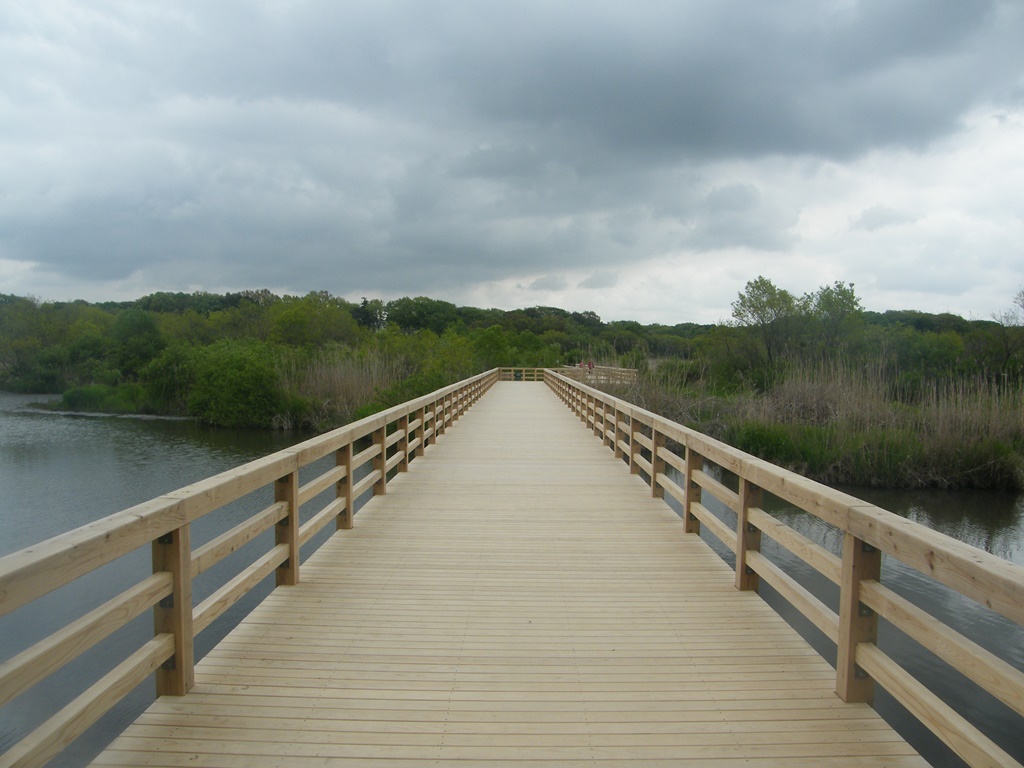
{"points": [[58, 472], [991, 521]]}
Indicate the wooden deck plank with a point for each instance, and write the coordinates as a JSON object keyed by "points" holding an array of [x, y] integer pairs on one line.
{"points": [[517, 597]]}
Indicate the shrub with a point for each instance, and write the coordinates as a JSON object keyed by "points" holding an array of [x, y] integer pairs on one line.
{"points": [[89, 398], [102, 398], [236, 385]]}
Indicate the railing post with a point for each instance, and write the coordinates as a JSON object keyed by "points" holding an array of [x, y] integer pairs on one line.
{"points": [[694, 462], [173, 553], [857, 622], [657, 463], [456, 408], [612, 441], [343, 457], [433, 421], [403, 443], [287, 530], [380, 461], [748, 537], [619, 434], [634, 445], [421, 431]]}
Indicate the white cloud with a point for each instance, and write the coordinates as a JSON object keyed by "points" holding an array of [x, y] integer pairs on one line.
{"points": [[643, 162]]}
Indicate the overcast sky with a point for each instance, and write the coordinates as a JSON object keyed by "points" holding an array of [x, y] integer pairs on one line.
{"points": [[643, 160]]}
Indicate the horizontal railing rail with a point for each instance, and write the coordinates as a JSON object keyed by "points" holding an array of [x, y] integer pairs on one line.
{"points": [[652, 445], [600, 374], [366, 453], [521, 374]]}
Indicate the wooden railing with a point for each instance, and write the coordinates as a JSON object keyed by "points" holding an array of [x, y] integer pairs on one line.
{"points": [[600, 374], [366, 454], [652, 445], [521, 374]]}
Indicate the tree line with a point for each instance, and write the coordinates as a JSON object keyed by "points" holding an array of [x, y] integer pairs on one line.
{"points": [[254, 358]]}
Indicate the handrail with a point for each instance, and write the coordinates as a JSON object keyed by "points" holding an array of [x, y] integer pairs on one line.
{"points": [[650, 443], [513, 373], [396, 437], [367, 454], [600, 374]]}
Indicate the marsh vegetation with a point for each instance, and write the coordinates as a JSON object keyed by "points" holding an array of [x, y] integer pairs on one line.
{"points": [[815, 382]]}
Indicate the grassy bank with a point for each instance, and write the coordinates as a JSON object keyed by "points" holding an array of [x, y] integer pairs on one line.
{"points": [[842, 425]]}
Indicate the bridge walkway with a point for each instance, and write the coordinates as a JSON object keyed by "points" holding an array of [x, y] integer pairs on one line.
{"points": [[515, 598]]}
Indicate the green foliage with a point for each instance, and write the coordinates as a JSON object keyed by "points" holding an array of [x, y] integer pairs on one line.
{"points": [[816, 383], [236, 385], [422, 314], [834, 319], [312, 320], [770, 311], [102, 398], [136, 340], [450, 359], [170, 378], [371, 314], [772, 442]]}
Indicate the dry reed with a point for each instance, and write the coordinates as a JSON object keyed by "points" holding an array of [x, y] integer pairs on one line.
{"points": [[844, 424]]}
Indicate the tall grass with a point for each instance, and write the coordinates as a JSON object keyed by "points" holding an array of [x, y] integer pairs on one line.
{"points": [[327, 388], [852, 425]]}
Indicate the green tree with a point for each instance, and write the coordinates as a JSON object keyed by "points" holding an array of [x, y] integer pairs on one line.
{"points": [[371, 314], [771, 312], [312, 320], [236, 384], [421, 314], [491, 348], [835, 317], [137, 340]]}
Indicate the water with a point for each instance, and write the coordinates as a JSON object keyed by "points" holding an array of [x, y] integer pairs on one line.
{"points": [[989, 520], [58, 472]]}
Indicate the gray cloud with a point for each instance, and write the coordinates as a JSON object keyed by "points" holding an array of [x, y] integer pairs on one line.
{"points": [[549, 283], [600, 280], [738, 215], [880, 216], [421, 147]]}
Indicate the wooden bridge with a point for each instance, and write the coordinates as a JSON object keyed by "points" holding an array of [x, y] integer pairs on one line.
{"points": [[515, 591]]}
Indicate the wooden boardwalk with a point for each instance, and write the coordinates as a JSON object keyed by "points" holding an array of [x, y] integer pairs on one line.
{"points": [[513, 601]]}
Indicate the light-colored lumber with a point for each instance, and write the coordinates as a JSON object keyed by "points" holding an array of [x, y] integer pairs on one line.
{"points": [[962, 737], [21, 672], [212, 607], [816, 556], [823, 617], [516, 598], [211, 553], [65, 726], [321, 483], [1002, 680]]}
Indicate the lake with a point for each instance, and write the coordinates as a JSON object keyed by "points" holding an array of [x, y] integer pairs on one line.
{"points": [[58, 472]]}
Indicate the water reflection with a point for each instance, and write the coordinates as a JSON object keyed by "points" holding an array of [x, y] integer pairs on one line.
{"points": [[58, 472], [992, 521], [989, 520]]}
